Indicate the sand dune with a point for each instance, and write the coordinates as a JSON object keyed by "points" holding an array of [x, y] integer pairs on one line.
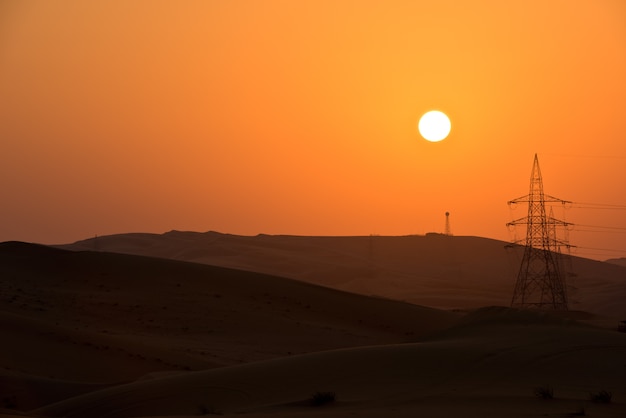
{"points": [[481, 367], [619, 261], [433, 270], [97, 318], [99, 334]]}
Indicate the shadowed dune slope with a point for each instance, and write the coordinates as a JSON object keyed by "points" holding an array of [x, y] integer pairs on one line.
{"points": [[99, 334], [434, 270], [74, 319], [487, 366]]}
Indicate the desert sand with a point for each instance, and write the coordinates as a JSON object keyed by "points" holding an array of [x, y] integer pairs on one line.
{"points": [[99, 333], [445, 272]]}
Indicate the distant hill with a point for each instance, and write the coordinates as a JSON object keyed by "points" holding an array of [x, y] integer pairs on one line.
{"points": [[619, 261], [445, 272]]}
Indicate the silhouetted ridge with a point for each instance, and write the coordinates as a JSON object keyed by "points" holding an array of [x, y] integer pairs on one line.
{"points": [[19, 248]]}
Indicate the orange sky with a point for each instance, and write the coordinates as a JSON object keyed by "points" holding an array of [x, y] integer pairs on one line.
{"points": [[299, 117]]}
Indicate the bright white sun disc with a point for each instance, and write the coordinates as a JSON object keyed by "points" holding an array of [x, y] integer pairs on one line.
{"points": [[434, 126]]}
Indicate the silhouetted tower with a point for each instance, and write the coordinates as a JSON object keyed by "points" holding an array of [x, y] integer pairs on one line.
{"points": [[540, 281], [448, 232]]}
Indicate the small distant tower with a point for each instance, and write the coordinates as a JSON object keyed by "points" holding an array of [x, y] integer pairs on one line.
{"points": [[540, 281], [448, 232]]}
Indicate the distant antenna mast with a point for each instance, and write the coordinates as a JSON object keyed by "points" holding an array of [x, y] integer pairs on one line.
{"points": [[447, 230], [540, 281]]}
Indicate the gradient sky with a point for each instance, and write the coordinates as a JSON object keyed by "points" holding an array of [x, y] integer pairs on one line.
{"points": [[300, 117]]}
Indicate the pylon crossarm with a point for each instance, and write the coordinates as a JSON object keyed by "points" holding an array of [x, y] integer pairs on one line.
{"points": [[563, 243], [558, 222], [521, 199], [546, 199], [525, 221], [551, 199], [520, 221]]}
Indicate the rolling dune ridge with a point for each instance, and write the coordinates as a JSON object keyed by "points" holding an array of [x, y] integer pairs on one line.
{"points": [[102, 334]]}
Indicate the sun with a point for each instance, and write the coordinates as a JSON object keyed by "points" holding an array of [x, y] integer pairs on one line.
{"points": [[434, 126]]}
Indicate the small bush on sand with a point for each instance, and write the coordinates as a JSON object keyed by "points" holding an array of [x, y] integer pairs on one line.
{"points": [[208, 410], [322, 398], [601, 397], [544, 392], [9, 402]]}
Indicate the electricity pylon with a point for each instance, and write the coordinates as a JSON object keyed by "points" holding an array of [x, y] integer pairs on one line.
{"points": [[541, 280]]}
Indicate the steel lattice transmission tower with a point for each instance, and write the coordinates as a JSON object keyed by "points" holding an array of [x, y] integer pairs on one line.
{"points": [[541, 279]]}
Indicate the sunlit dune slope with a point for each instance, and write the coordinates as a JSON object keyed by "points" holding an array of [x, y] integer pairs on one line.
{"points": [[102, 318], [489, 363], [447, 272], [619, 261]]}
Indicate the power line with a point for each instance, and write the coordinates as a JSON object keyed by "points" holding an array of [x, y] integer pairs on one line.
{"points": [[598, 231], [602, 249], [576, 227], [599, 256], [602, 227], [601, 206], [619, 157]]}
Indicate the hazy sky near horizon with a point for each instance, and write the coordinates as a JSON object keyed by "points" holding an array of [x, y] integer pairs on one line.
{"points": [[300, 117]]}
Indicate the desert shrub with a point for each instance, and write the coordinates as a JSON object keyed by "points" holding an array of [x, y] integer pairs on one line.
{"points": [[9, 402], [601, 397], [544, 392], [208, 410], [322, 398]]}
